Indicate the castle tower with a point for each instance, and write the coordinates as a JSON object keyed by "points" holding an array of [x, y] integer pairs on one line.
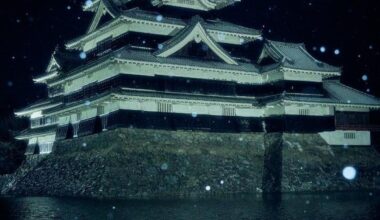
{"points": [[141, 69]]}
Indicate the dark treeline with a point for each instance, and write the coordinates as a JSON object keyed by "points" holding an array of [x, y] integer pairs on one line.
{"points": [[11, 151]]}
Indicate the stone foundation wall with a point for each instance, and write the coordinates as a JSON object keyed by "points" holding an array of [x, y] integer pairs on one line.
{"points": [[135, 164]]}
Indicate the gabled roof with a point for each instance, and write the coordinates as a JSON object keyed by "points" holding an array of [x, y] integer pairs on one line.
{"points": [[194, 32], [295, 56], [139, 55], [217, 24], [61, 60], [205, 5], [101, 8], [142, 20], [53, 64]]}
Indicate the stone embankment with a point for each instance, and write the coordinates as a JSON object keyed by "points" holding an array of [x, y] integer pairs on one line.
{"points": [[144, 164]]}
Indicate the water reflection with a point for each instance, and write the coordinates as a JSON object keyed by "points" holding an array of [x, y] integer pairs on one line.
{"points": [[287, 206]]}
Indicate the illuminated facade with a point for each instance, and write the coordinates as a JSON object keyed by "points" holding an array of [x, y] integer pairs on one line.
{"points": [[142, 69]]}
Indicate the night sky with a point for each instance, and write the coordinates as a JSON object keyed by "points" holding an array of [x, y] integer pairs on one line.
{"points": [[347, 30]]}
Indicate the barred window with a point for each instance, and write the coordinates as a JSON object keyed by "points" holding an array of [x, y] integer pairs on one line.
{"points": [[189, 2], [164, 107], [228, 111], [349, 135], [304, 112]]}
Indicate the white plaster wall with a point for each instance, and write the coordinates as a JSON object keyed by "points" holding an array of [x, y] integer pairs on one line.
{"points": [[149, 106], [89, 113], [351, 109], [362, 138], [215, 110], [63, 120], [300, 76], [314, 110], [250, 112], [32, 141], [46, 139], [273, 110], [111, 107]]}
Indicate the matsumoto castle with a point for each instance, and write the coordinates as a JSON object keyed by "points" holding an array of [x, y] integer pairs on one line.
{"points": [[141, 69]]}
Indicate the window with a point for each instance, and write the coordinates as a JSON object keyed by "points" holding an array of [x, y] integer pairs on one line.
{"points": [[304, 112], [349, 135], [164, 107], [228, 111]]}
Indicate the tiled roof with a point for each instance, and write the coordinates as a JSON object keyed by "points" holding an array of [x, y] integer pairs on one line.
{"points": [[207, 4], [337, 93], [217, 25], [295, 56], [346, 94], [139, 55]]}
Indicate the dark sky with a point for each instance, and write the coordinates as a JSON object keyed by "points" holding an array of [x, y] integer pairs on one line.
{"points": [[32, 28]]}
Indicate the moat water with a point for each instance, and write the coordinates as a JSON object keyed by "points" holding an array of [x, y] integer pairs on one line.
{"points": [[345, 206]]}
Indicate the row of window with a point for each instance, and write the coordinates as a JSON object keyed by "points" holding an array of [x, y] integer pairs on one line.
{"points": [[44, 121], [168, 108]]}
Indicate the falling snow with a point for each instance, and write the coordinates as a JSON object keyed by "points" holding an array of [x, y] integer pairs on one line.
{"points": [[349, 173], [88, 3], [159, 18], [83, 55], [164, 166]]}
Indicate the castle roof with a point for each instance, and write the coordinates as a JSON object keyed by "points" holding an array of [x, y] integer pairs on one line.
{"points": [[338, 94], [143, 20], [295, 56], [194, 32], [203, 5], [129, 53], [346, 94]]}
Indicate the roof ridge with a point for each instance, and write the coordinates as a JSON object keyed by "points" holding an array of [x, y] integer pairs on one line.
{"points": [[285, 43]]}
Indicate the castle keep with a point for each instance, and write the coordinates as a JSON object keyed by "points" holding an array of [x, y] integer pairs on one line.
{"points": [[141, 69]]}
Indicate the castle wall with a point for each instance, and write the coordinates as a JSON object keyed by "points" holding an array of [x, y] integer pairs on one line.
{"points": [[140, 163]]}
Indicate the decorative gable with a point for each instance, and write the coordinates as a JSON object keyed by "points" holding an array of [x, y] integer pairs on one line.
{"points": [[53, 64], [194, 33], [204, 5], [103, 8]]}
